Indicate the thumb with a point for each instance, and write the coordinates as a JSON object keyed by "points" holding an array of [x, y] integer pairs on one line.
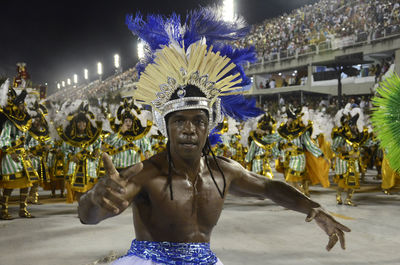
{"points": [[108, 165], [132, 171], [311, 215]]}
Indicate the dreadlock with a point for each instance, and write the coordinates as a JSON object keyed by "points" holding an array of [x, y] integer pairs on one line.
{"points": [[169, 180], [206, 150]]}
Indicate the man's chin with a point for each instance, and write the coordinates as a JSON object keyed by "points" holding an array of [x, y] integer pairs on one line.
{"points": [[189, 151]]}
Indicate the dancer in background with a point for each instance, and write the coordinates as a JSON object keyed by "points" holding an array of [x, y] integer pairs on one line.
{"points": [[263, 146], [17, 170], [127, 144], [296, 140], [347, 142], [81, 146], [39, 144]]}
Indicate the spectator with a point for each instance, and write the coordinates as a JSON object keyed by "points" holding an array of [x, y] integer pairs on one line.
{"points": [[378, 70], [272, 83]]}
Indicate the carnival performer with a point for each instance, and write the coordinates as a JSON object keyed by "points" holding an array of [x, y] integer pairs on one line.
{"points": [[127, 145], [377, 155], [296, 140], [57, 170], [16, 168], [158, 143], [81, 146], [178, 195], [347, 141], [236, 149], [263, 146], [100, 166], [39, 144]]}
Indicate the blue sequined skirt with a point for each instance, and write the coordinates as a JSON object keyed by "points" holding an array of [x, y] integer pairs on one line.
{"points": [[170, 253]]}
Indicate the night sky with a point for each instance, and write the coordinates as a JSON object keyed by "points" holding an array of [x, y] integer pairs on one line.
{"points": [[59, 38]]}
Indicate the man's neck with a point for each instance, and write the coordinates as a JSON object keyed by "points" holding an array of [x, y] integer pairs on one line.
{"points": [[187, 167]]}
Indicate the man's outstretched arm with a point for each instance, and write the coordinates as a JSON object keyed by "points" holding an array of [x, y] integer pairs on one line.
{"points": [[251, 184], [110, 196]]}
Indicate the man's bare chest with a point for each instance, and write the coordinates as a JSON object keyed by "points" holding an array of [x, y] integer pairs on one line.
{"points": [[186, 200]]}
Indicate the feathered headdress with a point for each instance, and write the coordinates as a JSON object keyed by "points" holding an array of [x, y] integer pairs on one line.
{"points": [[350, 116], [137, 131], [3, 93], [386, 118], [125, 110], [9, 102], [71, 134], [293, 112], [266, 122], [187, 66], [37, 110]]}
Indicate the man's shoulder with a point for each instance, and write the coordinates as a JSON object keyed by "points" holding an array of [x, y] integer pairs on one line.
{"points": [[226, 164], [156, 165], [153, 168]]}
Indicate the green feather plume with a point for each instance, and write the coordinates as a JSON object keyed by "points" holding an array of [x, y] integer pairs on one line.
{"points": [[386, 118]]}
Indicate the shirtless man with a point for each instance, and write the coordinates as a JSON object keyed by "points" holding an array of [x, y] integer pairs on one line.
{"points": [[177, 195], [197, 204]]}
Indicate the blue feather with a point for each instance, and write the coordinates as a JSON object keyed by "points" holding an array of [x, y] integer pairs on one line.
{"points": [[214, 137], [239, 57], [156, 32], [206, 22], [240, 108]]}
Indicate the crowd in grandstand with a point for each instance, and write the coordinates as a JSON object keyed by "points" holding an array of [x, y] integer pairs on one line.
{"points": [[307, 27], [98, 88]]}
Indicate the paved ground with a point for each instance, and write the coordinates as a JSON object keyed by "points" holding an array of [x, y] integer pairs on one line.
{"points": [[250, 231]]}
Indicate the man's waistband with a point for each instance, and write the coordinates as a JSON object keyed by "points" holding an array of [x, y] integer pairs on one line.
{"points": [[171, 253]]}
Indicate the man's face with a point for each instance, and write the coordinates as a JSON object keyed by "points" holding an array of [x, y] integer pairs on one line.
{"points": [[354, 129], [188, 132], [21, 106], [127, 124], [81, 126], [36, 122]]}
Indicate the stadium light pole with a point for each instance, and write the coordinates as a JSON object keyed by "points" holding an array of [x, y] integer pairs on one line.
{"points": [[63, 83], [85, 74], [75, 79], [68, 81], [117, 64], [99, 70], [140, 49], [58, 85], [228, 10]]}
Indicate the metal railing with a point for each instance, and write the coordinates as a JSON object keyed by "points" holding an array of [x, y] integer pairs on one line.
{"points": [[361, 38]]}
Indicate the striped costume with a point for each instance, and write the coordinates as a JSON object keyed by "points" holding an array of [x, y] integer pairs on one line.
{"points": [[81, 176], [125, 153], [236, 149], [347, 150], [15, 174], [40, 157], [56, 162], [293, 144], [261, 151], [158, 143]]}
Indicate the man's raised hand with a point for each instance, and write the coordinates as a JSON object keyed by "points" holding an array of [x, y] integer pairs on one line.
{"points": [[332, 228], [110, 192]]}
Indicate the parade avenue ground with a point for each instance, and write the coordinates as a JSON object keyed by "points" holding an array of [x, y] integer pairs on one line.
{"points": [[250, 231]]}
